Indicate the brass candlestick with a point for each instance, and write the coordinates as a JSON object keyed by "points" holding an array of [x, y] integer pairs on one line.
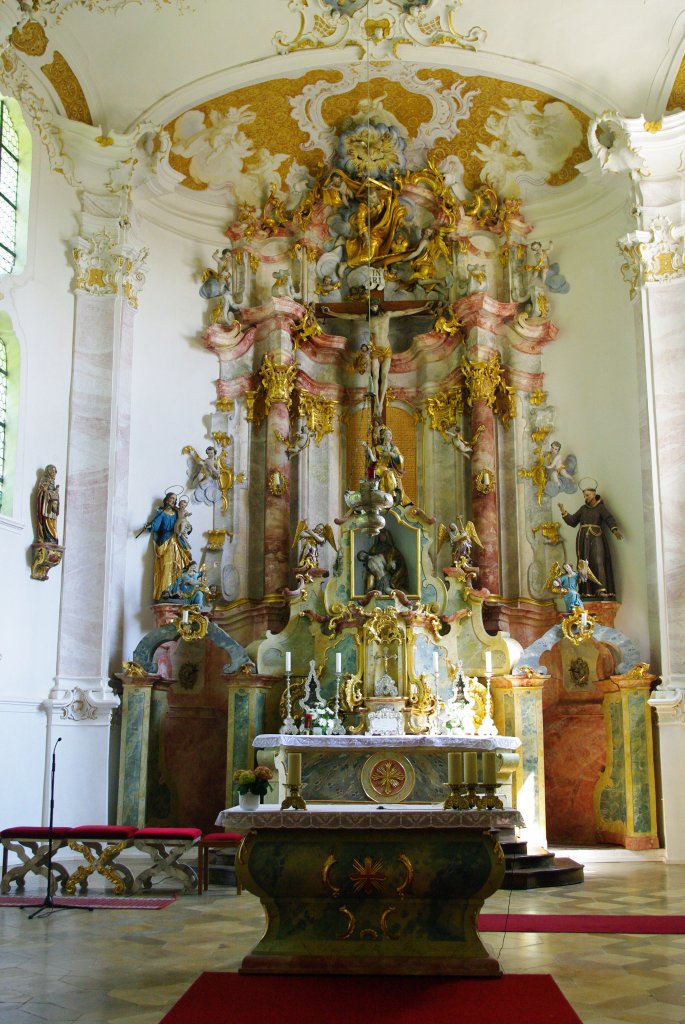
{"points": [[294, 799], [490, 802], [456, 799], [475, 803]]}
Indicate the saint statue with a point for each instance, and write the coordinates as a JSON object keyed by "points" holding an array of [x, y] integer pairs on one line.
{"points": [[384, 566], [171, 553], [385, 463], [47, 507], [591, 545]]}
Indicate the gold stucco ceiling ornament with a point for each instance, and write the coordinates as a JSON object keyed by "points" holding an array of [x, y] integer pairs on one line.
{"points": [[376, 27], [58, 8]]}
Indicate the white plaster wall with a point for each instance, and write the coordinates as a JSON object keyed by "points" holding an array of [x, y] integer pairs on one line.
{"points": [[591, 376], [172, 395], [40, 306]]}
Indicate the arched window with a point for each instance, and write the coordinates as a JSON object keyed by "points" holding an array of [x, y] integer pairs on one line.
{"points": [[9, 187]]}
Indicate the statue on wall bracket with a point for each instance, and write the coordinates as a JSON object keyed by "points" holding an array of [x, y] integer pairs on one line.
{"points": [[46, 550], [592, 520]]}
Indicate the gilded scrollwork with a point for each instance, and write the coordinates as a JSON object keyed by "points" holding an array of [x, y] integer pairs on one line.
{"points": [[278, 381], [484, 380]]}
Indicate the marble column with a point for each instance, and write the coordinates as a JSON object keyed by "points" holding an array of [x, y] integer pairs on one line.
{"points": [[247, 697], [484, 496], [278, 379]]}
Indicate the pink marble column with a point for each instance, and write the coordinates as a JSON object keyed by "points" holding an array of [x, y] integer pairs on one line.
{"points": [[484, 505], [276, 501]]}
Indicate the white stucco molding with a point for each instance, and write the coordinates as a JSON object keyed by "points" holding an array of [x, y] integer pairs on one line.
{"points": [[669, 703], [85, 700]]}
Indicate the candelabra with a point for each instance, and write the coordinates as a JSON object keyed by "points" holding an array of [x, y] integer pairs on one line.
{"points": [[288, 728], [293, 798], [490, 802], [456, 799], [338, 728], [473, 801], [487, 727]]}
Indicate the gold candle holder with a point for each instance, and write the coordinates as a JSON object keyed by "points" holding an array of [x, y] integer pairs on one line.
{"points": [[475, 803], [490, 802], [294, 799], [456, 799]]}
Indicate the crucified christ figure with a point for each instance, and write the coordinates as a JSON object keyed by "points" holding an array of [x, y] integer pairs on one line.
{"points": [[379, 349]]}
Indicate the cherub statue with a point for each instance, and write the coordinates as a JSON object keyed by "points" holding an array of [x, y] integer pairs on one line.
{"points": [[218, 284], [560, 471], [566, 580], [191, 586], [312, 540], [297, 441], [462, 536], [458, 441]]}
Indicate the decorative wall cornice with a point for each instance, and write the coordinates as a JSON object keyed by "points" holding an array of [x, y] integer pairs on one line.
{"points": [[104, 267]]}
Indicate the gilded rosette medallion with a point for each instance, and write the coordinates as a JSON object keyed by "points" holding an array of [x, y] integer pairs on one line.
{"points": [[387, 778]]}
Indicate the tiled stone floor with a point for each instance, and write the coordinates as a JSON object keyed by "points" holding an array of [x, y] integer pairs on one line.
{"points": [[129, 967]]}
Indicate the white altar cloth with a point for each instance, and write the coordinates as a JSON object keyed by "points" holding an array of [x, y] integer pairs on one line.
{"points": [[270, 740], [343, 816]]}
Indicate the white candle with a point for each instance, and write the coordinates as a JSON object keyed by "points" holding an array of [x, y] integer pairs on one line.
{"points": [[294, 769], [488, 663], [490, 768], [455, 771], [288, 661], [471, 767], [338, 663], [436, 663], [185, 616], [583, 619]]}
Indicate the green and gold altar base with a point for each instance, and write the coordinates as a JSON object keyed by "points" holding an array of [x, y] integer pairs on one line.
{"points": [[356, 897]]}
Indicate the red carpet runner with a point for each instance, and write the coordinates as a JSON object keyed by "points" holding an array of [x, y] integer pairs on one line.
{"points": [[333, 999], [617, 924], [94, 902]]}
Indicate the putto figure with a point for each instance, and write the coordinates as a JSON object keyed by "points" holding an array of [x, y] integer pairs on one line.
{"points": [[592, 519], [47, 507]]}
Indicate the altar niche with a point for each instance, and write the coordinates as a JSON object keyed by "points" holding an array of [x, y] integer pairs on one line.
{"points": [[390, 560]]}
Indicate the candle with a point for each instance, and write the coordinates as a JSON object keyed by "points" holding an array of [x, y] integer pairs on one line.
{"points": [[488, 663], [294, 769], [185, 616], [436, 663], [338, 663], [583, 619], [308, 721], [455, 770], [471, 767], [490, 768], [288, 661]]}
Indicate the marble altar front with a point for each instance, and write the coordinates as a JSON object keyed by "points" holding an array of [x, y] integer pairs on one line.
{"points": [[358, 890]]}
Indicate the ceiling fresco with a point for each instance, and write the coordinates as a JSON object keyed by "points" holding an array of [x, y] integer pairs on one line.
{"points": [[477, 129]]}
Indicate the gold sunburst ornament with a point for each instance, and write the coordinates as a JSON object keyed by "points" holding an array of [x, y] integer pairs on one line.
{"points": [[368, 877]]}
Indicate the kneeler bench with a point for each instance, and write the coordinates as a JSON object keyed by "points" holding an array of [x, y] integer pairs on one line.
{"points": [[215, 841], [99, 845]]}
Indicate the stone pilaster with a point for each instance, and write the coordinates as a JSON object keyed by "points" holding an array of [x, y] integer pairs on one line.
{"points": [[247, 697]]}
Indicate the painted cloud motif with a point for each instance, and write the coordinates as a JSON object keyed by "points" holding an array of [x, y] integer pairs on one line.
{"points": [[529, 145]]}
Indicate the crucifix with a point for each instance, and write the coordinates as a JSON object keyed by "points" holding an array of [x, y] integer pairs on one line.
{"points": [[379, 314], [385, 685]]}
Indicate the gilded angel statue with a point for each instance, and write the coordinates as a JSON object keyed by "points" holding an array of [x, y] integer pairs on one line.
{"points": [[312, 540], [461, 536]]}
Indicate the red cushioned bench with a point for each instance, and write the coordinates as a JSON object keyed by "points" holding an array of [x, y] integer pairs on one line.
{"points": [[35, 838], [215, 841], [99, 845]]}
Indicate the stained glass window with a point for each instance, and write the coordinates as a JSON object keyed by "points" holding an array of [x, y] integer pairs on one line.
{"points": [[3, 414], [9, 180]]}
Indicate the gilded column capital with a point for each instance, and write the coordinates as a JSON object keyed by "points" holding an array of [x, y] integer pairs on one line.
{"points": [[484, 381], [655, 254], [278, 381], [104, 267]]}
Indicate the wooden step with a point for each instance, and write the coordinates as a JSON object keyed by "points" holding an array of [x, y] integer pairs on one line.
{"points": [[541, 870]]}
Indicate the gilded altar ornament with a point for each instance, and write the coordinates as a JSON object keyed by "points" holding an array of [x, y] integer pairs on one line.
{"points": [[46, 550], [538, 397], [351, 923], [216, 538], [461, 536], [133, 670], [485, 381], [277, 483], [318, 413], [446, 321], [484, 482], [191, 624], [579, 625], [549, 532], [278, 381], [443, 409], [328, 24], [537, 472], [306, 328]]}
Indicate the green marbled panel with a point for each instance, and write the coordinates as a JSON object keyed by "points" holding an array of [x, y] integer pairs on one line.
{"points": [[639, 761], [133, 771], [334, 776], [529, 747], [259, 710], [612, 804], [242, 756]]}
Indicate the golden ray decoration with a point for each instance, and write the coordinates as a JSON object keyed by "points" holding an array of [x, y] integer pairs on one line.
{"points": [[68, 88]]}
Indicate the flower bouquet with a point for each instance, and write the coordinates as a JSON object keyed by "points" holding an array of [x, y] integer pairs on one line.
{"points": [[253, 780]]}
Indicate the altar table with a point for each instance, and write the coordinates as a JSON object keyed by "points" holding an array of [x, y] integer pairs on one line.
{"points": [[349, 889]]}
